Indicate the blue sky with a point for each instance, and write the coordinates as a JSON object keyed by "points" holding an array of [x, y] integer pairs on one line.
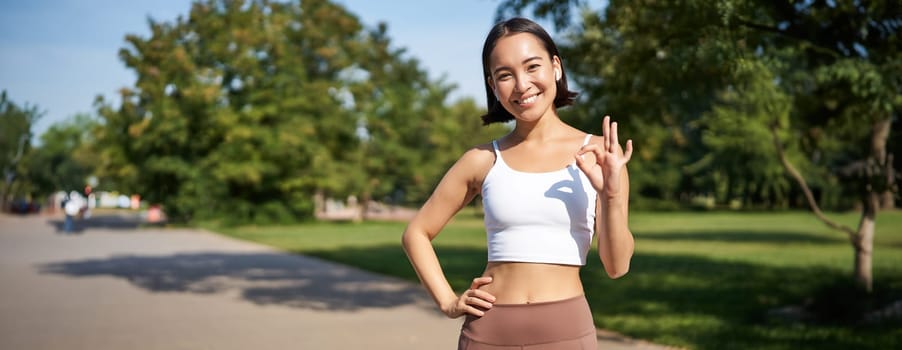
{"points": [[60, 54]]}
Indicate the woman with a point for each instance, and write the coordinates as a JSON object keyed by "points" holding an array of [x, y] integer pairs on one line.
{"points": [[547, 188]]}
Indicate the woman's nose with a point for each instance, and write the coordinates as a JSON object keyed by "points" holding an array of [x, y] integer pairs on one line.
{"points": [[523, 84]]}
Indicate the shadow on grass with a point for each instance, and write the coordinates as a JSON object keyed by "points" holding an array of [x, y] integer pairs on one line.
{"points": [[261, 278], [742, 236], [680, 300]]}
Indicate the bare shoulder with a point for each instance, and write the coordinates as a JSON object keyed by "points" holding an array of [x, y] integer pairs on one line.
{"points": [[480, 153], [477, 161], [464, 179]]}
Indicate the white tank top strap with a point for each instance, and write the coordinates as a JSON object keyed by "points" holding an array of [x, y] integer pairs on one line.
{"points": [[498, 159], [586, 141]]}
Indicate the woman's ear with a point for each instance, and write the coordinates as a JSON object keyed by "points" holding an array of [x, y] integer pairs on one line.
{"points": [[558, 69]]}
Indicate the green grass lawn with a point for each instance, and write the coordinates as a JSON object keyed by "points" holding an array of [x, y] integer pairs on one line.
{"points": [[697, 280]]}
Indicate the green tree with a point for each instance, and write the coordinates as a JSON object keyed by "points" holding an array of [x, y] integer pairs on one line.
{"points": [[15, 141], [845, 74], [244, 110], [233, 113], [740, 150], [64, 160]]}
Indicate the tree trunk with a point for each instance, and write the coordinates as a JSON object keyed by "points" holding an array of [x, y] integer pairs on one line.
{"points": [[4, 203], [863, 241], [879, 136], [888, 198], [365, 199], [8, 178]]}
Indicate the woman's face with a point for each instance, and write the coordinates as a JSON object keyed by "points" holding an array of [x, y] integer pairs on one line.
{"points": [[522, 76]]}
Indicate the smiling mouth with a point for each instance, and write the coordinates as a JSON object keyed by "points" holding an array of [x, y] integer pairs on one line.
{"points": [[529, 100]]}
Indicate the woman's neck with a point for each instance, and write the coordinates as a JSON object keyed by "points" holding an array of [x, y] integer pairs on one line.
{"points": [[546, 128]]}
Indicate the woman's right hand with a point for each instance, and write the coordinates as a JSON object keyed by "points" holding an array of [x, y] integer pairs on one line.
{"points": [[473, 301]]}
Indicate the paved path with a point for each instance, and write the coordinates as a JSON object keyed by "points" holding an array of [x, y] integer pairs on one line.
{"points": [[113, 286]]}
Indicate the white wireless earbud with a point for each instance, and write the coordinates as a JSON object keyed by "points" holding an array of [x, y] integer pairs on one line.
{"points": [[557, 74]]}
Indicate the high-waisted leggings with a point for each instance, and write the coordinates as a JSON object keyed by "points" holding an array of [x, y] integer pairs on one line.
{"points": [[560, 325]]}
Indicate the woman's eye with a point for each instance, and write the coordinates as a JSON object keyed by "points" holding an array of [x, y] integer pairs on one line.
{"points": [[504, 76], [532, 68]]}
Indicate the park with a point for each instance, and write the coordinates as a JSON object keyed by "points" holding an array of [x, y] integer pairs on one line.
{"points": [[763, 193]]}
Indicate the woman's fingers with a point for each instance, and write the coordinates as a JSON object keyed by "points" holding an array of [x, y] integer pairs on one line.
{"points": [[594, 148], [480, 281], [480, 302], [629, 150], [481, 295], [611, 140], [475, 300], [596, 151], [475, 312]]}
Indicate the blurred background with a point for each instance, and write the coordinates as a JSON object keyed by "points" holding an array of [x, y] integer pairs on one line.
{"points": [[233, 113]]}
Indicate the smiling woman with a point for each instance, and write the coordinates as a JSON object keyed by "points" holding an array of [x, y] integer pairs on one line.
{"points": [[547, 189], [540, 58]]}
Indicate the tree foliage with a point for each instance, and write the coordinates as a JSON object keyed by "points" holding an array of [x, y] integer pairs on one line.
{"points": [[15, 141], [63, 160], [245, 109]]}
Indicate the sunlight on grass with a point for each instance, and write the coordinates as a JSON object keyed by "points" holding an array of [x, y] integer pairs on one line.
{"points": [[697, 280]]}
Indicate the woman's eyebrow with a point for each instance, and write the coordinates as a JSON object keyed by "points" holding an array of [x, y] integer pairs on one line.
{"points": [[533, 58]]}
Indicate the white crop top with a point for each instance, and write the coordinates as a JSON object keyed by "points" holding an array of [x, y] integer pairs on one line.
{"points": [[538, 217]]}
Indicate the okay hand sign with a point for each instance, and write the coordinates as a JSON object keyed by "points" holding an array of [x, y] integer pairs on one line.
{"points": [[610, 159]]}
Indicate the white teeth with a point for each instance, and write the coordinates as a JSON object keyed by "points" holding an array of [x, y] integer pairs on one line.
{"points": [[529, 100]]}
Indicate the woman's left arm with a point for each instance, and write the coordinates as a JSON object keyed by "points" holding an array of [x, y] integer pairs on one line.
{"points": [[615, 241], [609, 177]]}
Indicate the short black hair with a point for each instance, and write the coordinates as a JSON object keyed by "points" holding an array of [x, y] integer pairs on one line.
{"points": [[497, 113]]}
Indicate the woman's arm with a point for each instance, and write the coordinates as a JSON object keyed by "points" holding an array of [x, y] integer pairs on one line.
{"points": [[457, 188], [608, 175], [615, 241]]}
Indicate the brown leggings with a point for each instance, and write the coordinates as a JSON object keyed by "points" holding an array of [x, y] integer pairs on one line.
{"points": [[563, 324]]}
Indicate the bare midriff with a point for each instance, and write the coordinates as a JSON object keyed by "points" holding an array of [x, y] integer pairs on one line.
{"points": [[524, 283]]}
